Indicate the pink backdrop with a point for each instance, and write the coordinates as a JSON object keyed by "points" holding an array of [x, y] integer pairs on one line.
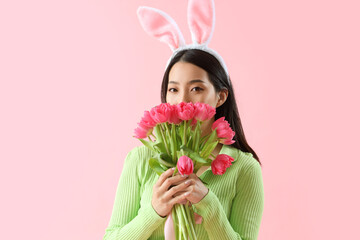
{"points": [[77, 75]]}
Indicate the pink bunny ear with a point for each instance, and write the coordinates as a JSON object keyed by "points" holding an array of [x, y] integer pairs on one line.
{"points": [[201, 20], [158, 24]]}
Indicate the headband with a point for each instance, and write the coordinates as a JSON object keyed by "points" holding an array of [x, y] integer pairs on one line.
{"points": [[201, 21]]}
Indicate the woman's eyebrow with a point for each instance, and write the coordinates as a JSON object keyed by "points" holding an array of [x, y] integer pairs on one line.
{"points": [[190, 82], [196, 81], [173, 82]]}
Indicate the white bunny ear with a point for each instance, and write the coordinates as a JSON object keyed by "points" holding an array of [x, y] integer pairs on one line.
{"points": [[201, 20], [160, 25]]}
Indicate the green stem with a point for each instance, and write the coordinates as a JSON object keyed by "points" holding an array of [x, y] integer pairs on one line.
{"points": [[184, 133], [182, 227], [172, 143], [167, 130], [188, 233], [175, 223], [197, 133], [165, 142], [189, 217], [203, 141], [153, 135]]}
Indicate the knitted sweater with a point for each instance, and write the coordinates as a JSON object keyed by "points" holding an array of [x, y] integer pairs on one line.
{"points": [[232, 208]]}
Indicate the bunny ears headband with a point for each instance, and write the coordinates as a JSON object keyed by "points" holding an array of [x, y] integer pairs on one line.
{"points": [[201, 21]]}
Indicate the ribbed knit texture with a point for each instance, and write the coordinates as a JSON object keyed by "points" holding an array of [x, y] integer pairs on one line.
{"points": [[232, 209]]}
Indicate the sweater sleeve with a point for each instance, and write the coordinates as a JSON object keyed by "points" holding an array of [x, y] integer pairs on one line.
{"points": [[127, 220], [246, 211]]}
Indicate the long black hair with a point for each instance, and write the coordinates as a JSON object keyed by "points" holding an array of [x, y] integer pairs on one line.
{"points": [[219, 79]]}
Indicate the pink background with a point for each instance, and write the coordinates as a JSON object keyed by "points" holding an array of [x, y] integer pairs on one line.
{"points": [[76, 77]]}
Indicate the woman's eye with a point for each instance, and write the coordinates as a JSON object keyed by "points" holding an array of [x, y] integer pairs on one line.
{"points": [[172, 90], [196, 89]]}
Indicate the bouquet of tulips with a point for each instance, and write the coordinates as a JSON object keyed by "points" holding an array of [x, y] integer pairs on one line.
{"points": [[174, 134]]}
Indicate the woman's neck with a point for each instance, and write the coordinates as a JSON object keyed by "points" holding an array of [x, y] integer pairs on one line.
{"points": [[206, 127]]}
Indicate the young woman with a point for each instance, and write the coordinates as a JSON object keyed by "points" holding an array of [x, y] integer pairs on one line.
{"points": [[230, 205]]}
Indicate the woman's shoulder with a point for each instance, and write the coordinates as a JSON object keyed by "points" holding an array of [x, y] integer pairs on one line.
{"points": [[140, 150], [137, 160], [139, 154]]}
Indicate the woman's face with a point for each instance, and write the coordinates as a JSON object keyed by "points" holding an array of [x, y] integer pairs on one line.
{"points": [[190, 83]]}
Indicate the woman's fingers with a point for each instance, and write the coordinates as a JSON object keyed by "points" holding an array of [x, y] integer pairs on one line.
{"points": [[164, 176], [175, 180], [197, 190], [179, 199], [170, 190], [177, 190]]}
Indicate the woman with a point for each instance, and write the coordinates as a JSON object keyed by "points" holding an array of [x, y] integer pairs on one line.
{"points": [[231, 205]]}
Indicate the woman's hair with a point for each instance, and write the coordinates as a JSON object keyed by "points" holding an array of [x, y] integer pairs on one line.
{"points": [[218, 78]]}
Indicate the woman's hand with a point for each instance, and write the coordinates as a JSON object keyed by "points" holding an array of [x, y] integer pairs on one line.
{"points": [[163, 198], [195, 190]]}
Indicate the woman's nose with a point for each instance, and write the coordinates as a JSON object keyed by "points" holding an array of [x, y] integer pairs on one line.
{"points": [[184, 97]]}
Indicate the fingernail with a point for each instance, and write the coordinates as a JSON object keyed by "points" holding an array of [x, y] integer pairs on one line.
{"points": [[187, 182], [186, 194], [184, 176], [173, 168]]}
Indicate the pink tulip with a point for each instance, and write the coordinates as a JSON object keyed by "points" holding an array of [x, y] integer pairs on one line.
{"points": [[185, 111], [142, 131], [147, 120], [203, 111], [223, 131], [174, 118], [185, 165], [161, 113], [220, 163]]}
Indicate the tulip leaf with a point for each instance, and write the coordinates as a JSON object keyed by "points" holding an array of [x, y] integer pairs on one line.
{"points": [[160, 147], [158, 133], [208, 140], [193, 155], [197, 138], [190, 141], [208, 149], [148, 144], [181, 131], [212, 136], [155, 165], [165, 159]]}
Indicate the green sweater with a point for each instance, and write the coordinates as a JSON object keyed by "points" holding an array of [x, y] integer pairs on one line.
{"points": [[232, 209]]}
